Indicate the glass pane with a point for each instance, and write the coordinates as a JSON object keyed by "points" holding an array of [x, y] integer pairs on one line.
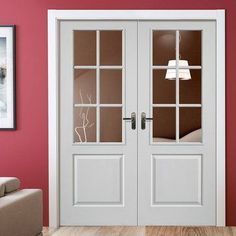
{"points": [[111, 47], [163, 88], [190, 89], [164, 124], [111, 124], [190, 46], [85, 86], [111, 86], [190, 124], [85, 124], [164, 45], [84, 48]]}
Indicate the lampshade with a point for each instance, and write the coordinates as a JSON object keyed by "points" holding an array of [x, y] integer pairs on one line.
{"points": [[184, 74]]}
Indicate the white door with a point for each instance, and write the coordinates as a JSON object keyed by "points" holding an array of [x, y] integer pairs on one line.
{"points": [[176, 155], [98, 149], [157, 168]]}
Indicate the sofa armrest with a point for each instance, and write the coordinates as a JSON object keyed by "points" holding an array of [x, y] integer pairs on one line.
{"points": [[21, 213]]}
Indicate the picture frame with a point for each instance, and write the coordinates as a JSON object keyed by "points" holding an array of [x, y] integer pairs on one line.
{"points": [[7, 78]]}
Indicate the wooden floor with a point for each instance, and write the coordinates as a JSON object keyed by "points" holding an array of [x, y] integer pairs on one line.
{"points": [[142, 231]]}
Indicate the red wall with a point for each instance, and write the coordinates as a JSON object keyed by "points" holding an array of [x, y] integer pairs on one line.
{"points": [[23, 153]]}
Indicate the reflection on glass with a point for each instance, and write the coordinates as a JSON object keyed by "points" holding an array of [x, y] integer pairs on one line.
{"points": [[190, 90], [85, 86], [190, 46], [111, 124], [84, 124], [163, 89], [164, 45], [164, 124], [111, 47], [190, 124], [84, 48], [110, 86]]}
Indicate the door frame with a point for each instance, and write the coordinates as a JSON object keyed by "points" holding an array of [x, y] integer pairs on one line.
{"points": [[54, 18]]}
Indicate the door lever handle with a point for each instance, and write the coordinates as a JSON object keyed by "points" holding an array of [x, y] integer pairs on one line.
{"points": [[132, 119], [144, 119]]}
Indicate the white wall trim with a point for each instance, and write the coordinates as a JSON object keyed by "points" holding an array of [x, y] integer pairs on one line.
{"points": [[220, 122], [55, 16], [53, 152]]}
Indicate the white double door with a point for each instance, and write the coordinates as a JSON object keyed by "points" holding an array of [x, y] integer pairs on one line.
{"points": [[137, 123]]}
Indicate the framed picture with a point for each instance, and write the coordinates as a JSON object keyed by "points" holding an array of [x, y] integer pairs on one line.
{"points": [[7, 77]]}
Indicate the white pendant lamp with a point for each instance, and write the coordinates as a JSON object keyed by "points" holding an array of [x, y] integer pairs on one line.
{"points": [[184, 74]]}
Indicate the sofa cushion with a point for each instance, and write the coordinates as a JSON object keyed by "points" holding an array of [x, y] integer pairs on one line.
{"points": [[8, 184]]}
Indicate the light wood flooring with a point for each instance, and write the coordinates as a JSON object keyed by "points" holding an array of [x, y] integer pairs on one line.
{"points": [[141, 231]]}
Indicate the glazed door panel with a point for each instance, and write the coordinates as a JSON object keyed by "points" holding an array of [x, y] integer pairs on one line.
{"points": [[98, 151], [176, 151]]}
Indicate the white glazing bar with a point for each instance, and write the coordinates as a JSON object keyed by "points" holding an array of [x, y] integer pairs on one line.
{"points": [[110, 105], [191, 67], [98, 143], [85, 105], [111, 67], [180, 67], [123, 87], [190, 105], [163, 67], [95, 67], [164, 105], [97, 105], [150, 103], [85, 67], [177, 86], [98, 85]]}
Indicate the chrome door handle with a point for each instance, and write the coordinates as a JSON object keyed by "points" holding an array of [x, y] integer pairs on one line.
{"points": [[132, 119], [144, 119]]}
